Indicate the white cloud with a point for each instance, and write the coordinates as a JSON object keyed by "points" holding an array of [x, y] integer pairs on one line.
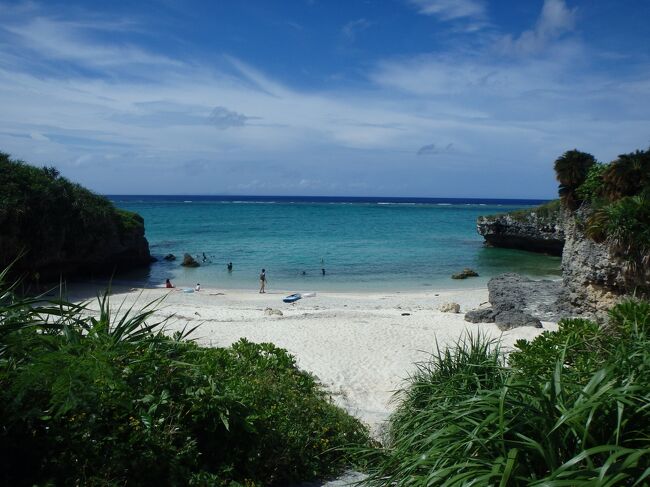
{"points": [[352, 28], [513, 114], [50, 39], [451, 9], [555, 20]]}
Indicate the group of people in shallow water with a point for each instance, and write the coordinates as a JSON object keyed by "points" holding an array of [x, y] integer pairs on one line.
{"points": [[263, 279]]}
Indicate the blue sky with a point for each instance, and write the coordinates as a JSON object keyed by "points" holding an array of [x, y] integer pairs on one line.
{"points": [[438, 98]]}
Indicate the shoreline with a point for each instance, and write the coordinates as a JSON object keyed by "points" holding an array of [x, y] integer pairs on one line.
{"points": [[360, 345]]}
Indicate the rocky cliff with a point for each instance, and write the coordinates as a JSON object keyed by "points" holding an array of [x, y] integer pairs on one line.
{"points": [[593, 276], [60, 228], [537, 230]]}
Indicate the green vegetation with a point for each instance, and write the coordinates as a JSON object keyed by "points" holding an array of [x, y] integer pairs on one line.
{"points": [[615, 198], [570, 410], [56, 223], [548, 212], [571, 170], [94, 398]]}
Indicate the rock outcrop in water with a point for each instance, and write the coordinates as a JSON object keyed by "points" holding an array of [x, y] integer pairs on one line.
{"points": [[189, 261], [538, 230], [465, 273], [61, 228]]}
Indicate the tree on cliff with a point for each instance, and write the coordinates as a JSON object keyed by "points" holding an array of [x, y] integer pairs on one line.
{"points": [[616, 209], [571, 170], [61, 226], [627, 176]]}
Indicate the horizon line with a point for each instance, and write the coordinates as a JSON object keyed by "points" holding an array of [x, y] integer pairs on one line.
{"points": [[329, 196]]}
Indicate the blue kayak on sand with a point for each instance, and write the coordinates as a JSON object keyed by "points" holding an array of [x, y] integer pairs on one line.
{"points": [[292, 298]]}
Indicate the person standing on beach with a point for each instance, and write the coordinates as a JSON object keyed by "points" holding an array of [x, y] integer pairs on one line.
{"points": [[263, 281], [229, 266]]}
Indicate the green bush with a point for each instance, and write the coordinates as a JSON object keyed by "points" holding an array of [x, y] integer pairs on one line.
{"points": [[55, 222], [572, 409], [592, 188], [100, 399]]}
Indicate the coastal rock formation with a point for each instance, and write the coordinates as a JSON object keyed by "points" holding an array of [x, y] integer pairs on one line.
{"points": [[538, 230], [519, 301], [513, 292], [507, 320], [450, 308], [480, 315], [464, 274], [169, 257], [593, 278], [189, 261], [61, 228]]}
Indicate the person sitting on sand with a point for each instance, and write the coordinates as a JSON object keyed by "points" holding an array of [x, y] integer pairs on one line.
{"points": [[263, 281], [168, 284], [198, 287]]}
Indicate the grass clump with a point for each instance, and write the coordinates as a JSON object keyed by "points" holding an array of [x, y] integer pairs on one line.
{"points": [[571, 408], [108, 399], [547, 212]]}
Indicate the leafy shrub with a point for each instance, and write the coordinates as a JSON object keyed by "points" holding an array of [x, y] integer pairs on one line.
{"points": [[547, 212], [592, 188], [571, 410], [101, 399], [57, 223]]}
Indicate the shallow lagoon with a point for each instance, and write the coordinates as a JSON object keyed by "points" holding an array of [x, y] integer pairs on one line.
{"points": [[369, 244]]}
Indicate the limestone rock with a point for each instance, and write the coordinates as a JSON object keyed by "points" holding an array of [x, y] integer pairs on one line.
{"points": [[189, 261], [169, 257], [593, 277], [464, 274], [507, 320], [519, 301], [273, 312], [513, 292], [535, 231], [480, 315], [450, 308]]}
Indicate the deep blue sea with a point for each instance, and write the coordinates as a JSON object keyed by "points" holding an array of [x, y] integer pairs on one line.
{"points": [[368, 244]]}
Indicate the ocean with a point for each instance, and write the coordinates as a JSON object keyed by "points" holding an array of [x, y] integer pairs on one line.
{"points": [[364, 244]]}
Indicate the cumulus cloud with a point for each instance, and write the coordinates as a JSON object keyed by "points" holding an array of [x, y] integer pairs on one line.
{"points": [[555, 20]]}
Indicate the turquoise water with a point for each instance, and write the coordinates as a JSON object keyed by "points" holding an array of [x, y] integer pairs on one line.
{"points": [[362, 245]]}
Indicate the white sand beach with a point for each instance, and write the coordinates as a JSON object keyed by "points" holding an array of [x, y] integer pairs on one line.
{"points": [[360, 345]]}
